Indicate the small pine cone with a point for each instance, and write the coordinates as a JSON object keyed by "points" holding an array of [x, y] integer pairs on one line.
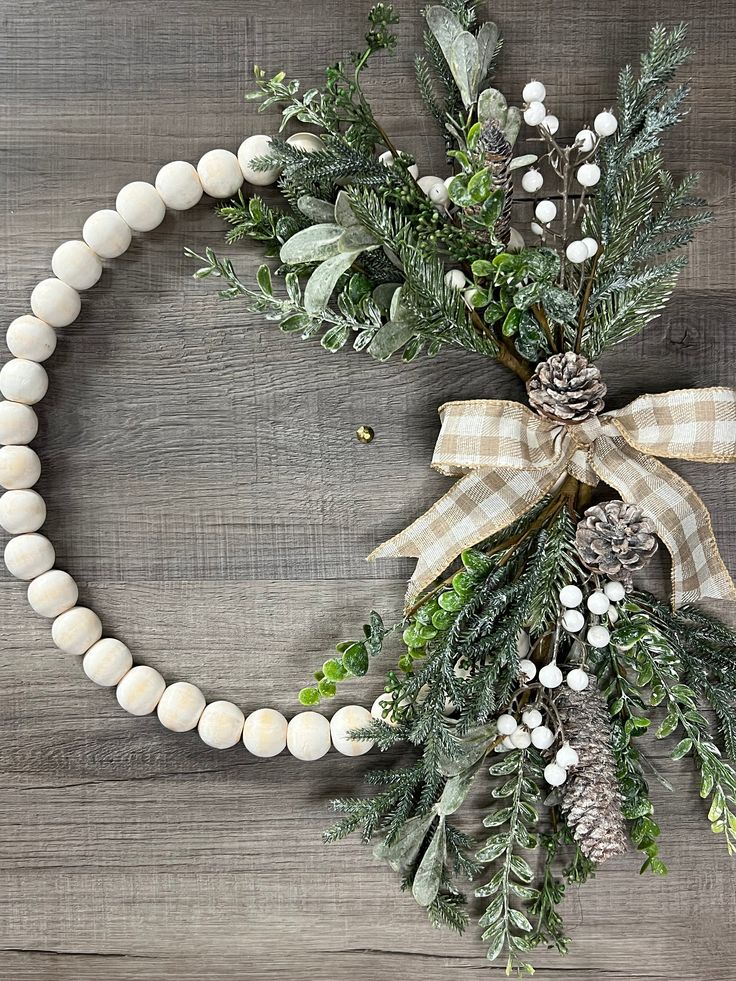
{"points": [[615, 539], [497, 153], [566, 388], [590, 799]]}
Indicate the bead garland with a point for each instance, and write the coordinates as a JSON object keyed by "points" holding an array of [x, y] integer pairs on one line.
{"points": [[30, 556]]}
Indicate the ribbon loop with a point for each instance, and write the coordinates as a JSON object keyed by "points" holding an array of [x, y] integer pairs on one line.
{"points": [[509, 458]]}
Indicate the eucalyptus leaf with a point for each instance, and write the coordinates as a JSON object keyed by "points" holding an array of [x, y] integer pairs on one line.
{"points": [[323, 280], [317, 210], [524, 161], [313, 244], [465, 67], [429, 874]]}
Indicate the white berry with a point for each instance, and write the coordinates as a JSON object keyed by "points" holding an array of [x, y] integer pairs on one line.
{"points": [[589, 174], [542, 737], [555, 775], [532, 718], [534, 91], [592, 246], [598, 603], [573, 620], [586, 140], [506, 724], [507, 744], [605, 124], [537, 228], [566, 757], [523, 644], [613, 614], [439, 194], [521, 739], [614, 591], [528, 668], [546, 211], [455, 279], [577, 252], [535, 113], [551, 123], [532, 181], [571, 596], [577, 679], [550, 676], [598, 636]]}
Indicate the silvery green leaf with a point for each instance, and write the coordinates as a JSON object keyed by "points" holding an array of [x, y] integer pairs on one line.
{"points": [[383, 295], [344, 214], [429, 874], [402, 851], [468, 750], [313, 244], [391, 337], [456, 790], [397, 310], [526, 161], [393, 258], [492, 105], [317, 210], [465, 67], [487, 43], [445, 26], [512, 127], [357, 239], [323, 280]]}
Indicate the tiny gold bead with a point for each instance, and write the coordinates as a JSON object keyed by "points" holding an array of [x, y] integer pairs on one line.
{"points": [[364, 434]]}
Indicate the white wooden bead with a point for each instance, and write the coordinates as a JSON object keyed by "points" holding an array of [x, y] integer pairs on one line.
{"points": [[107, 233], [52, 593], [107, 662], [180, 706], [23, 381], [18, 424], [31, 339], [179, 185], [75, 631], [141, 206], [220, 173], [75, 264], [264, 732], [22, 511], [343, 722], [248, 151], [140, 689], [308, 736], [28, 556], [221, 725], [20, 467], [305, 141], [55, 303]]}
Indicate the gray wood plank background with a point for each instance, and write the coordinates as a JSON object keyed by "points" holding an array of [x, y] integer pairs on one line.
{"points": [[206, 491]]}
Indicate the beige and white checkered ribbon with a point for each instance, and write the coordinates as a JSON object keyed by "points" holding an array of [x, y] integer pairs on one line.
{"points": [[509, 459]]}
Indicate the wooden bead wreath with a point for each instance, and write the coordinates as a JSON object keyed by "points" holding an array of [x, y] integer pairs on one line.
{"points": [[30, 556]]}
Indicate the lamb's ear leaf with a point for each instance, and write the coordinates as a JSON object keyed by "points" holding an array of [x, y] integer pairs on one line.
{"points": [[323, 280], [465, 66], [344, 214], [317, 210], [313, 244], [512, 126], [445, 26], [492, 105], [429, 874], [487, 38]]}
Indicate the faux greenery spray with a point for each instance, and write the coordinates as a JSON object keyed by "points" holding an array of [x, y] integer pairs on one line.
{"points": [[499, 684]]}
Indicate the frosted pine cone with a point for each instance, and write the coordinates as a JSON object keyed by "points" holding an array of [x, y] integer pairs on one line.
{"points": [[497, 154], [566, 387], [615, 539]]}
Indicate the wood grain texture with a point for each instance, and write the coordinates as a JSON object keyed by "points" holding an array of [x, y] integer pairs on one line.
{"points": [[206, 491]]}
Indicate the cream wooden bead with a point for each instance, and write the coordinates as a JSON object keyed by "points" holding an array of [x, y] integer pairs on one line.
{"points": [[140, 689], [31, 339], [22, 511], [343, 722], [55, 303], [264, 732], [23, 381], [309, 142], [180, 706], [76, 630], [308, 736], [221, 725], [52, 593], [179, 185], [18, 424], [29, 556], [141, 206], [220, 173], [107, 662], [107, 233], [248, 151], [20, 467], [75, 264]]}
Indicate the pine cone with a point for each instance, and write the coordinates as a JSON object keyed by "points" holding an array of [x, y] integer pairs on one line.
{"points": [[567, 388], [497, 153], [590, 798], [615, 539]]}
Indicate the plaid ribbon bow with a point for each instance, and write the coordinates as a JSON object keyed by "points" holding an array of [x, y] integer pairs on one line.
{"points": [[509, 459]]}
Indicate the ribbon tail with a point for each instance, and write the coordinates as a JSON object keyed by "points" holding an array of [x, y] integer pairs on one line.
{"points": [[679, 516], [475, 508]]}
